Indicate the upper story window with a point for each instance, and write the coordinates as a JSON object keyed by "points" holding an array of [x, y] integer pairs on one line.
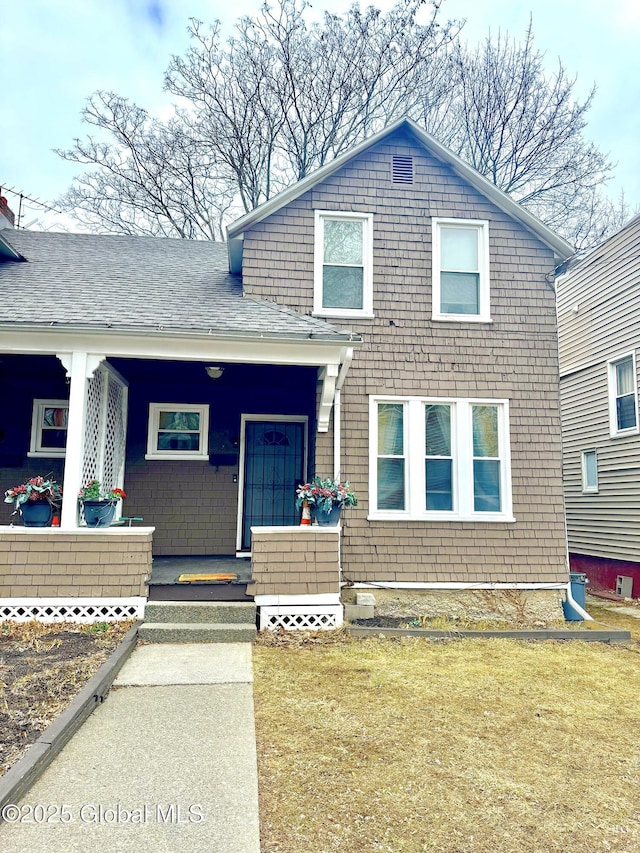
{"points": [[178, 431], [623, 395], [460, 270], [49, 428], [343, 271], [437, 459]]}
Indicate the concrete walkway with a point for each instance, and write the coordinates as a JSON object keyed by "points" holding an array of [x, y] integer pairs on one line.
{"points": [[166, 763]]}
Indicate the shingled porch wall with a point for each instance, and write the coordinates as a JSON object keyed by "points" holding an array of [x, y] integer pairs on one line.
{"points": [[41, 565], [294, 561]]}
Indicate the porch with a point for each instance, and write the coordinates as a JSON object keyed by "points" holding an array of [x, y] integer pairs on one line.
{"points": [[202, 486]]}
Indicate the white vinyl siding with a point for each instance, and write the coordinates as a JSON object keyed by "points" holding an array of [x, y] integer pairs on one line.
{"points": [[602, 523], [343, 264], [439, 459], [460, 270]]}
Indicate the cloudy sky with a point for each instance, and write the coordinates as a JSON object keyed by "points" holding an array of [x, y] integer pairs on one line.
{"points": [[56, 52]]}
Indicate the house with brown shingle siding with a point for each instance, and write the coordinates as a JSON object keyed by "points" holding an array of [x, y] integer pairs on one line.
{"points": [[389, 320]]}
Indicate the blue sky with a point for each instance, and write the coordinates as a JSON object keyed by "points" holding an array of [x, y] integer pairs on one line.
{"points": [[56, 52]]}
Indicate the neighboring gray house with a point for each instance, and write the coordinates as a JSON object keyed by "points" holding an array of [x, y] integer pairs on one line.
{"points": [[599, 331], [389, 320]]}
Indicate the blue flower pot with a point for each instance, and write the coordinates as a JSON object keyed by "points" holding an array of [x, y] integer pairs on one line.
{"points": [[36, 513], [330, 518], [98, 513]]}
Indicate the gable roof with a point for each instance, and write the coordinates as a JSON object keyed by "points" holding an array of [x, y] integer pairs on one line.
{"points": [[129, 283], [561, 248]]}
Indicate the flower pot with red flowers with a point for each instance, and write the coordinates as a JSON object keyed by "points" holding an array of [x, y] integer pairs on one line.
{"points": [[98, 504], [35, 501], [326, 499]]}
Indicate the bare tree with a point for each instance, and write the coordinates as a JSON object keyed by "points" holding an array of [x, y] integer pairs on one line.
{"points": [[277, 100], [153, 177], [524, 130], [283, 96]]}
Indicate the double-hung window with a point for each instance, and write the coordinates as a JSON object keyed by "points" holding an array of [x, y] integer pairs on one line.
{"points": [[49, 428], [460, 271], [178, 431], [343, 266], [623, 395], [439, 459]]}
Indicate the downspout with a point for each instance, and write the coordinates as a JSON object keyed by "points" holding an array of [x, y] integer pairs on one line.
{"points": [[573, 603]]}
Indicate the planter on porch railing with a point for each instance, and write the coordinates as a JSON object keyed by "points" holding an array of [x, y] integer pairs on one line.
{"points": [[98, 506], [36, 501], [326, 499]]}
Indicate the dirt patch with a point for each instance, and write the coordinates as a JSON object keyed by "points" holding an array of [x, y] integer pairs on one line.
{"points": [[42, 668]]}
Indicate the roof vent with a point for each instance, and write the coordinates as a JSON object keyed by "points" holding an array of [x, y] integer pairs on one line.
{"points": [[402, 170]]}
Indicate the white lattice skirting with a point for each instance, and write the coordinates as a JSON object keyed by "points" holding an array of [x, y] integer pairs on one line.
{"points": [[81, 610], [305, 617]]}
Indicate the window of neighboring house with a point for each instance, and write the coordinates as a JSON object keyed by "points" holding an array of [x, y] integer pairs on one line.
{"points": [[178, 431], [49, 428], [589, 471], [460, 270], [343, 264], [623, 395], [439, 459]]}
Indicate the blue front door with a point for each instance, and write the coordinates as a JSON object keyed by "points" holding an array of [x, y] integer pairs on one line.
{"points": [[274, 465]]}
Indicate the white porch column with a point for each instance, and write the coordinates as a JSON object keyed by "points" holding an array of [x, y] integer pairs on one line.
{"points": [[80, 366]]}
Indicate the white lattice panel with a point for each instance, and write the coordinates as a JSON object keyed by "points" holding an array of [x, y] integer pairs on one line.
{"points": [[114, 435], [80, 610], [92, 431], [105, 429], [311, 617]]}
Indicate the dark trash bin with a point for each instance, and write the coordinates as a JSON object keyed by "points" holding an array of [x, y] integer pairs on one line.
{"points": [[579, 583]]}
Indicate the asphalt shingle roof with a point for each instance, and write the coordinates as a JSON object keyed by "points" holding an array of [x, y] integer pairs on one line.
{"points": [[146, 283]]}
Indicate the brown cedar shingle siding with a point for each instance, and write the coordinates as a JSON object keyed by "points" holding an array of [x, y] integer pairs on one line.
{"points": [[515, 357], [60, 564]]}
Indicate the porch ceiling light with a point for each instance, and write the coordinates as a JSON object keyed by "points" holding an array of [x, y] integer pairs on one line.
{"points": [[214, 371]]}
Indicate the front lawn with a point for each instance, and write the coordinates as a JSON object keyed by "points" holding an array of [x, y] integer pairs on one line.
{"points": [[462, 746]]}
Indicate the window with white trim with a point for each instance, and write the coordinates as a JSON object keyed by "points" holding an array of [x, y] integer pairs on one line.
{"points": [[49, 428], [343, 264], [439, 459], [178, 431], [623, 395], [589, 471], [460, 270]]}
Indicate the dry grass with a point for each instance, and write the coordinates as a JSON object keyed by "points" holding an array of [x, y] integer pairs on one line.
{"points": [[601, 613], [469, 746]]}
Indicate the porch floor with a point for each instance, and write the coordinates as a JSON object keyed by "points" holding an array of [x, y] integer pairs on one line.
{"points": [[163, 584]]}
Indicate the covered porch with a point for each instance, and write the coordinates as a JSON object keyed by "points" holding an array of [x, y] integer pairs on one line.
{"points": [[206, 448]]}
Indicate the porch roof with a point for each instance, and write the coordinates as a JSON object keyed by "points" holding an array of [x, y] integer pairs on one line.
{"points": [[130, 283]]}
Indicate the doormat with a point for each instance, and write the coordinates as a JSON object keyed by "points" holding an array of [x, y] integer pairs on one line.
{"points": [[207, 578]]}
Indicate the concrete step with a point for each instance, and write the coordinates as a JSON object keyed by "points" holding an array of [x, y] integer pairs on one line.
{"points": [[178, 632], [200, 612]]}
